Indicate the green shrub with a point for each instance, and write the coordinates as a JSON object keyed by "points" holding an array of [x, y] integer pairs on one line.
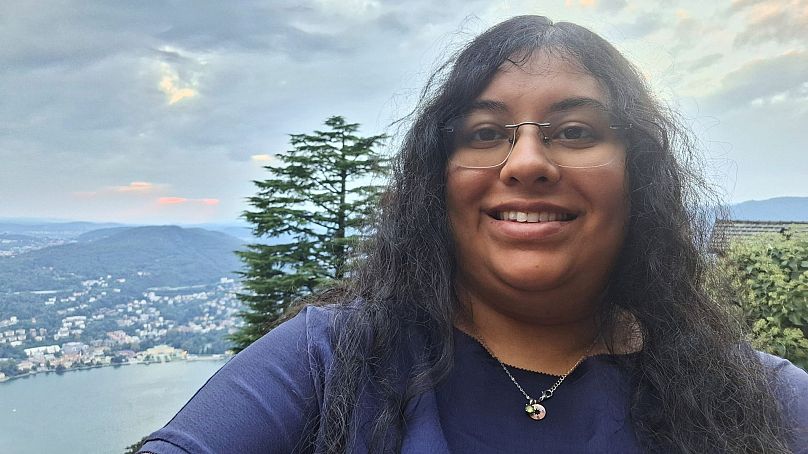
{"points": [[769, 279]]}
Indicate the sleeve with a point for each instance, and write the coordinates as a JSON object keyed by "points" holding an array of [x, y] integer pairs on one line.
{"points": [[792, 391], [265, 399]]}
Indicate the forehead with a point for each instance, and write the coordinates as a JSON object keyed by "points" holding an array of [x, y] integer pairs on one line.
{"points": [[533, 85]]}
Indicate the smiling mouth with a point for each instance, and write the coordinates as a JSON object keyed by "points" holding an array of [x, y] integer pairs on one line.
{"points": [[534, 216]]}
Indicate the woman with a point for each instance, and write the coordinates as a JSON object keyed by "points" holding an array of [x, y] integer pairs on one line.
{"points": [[535, 281]]}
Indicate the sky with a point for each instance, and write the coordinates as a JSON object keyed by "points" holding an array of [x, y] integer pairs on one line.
{"points": [[165, 112]]}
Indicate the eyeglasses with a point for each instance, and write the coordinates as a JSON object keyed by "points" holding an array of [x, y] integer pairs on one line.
{"points": [[580, 139]]}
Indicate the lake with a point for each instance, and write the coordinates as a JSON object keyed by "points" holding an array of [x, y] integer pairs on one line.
{"points": [[100, 410]]}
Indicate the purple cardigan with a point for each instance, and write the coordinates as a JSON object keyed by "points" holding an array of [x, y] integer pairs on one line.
{"points": [[267, 398]]}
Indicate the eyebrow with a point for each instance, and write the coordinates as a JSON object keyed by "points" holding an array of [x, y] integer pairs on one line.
{"points": [[560, 106], [574, 103], [487, 104]]}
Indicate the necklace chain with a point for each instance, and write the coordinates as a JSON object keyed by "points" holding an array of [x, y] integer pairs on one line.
{"points": [[533, 408]]}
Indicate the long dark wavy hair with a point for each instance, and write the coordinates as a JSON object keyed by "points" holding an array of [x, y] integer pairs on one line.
{"points": [[698, 387]]}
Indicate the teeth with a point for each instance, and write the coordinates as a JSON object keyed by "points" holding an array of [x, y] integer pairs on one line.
{"points": [[533, 216]]}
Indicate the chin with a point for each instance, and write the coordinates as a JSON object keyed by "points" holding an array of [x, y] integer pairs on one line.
{"points": [[535, 281]]}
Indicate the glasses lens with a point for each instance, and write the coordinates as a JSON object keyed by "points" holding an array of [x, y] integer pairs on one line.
{"points": [[583, 143], [479, 140]]}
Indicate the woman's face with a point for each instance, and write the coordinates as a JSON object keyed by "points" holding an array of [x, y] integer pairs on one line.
{"points": [[500, 258]]}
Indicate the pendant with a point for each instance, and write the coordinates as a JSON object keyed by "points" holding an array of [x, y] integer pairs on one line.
{"points": [[535, 410]]}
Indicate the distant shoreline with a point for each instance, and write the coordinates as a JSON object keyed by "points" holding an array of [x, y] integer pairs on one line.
{"points": [[215, 357]]}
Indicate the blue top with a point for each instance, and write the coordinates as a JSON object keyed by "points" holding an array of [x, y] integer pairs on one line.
{"points": [[266, 400]]}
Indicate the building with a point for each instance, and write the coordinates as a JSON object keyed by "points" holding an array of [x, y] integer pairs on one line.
{"points": [[75, 348], [41, 351], [162, 353], [726, 231]]}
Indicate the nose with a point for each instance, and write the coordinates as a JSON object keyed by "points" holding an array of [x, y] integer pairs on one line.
{"points": [[528, 162]]}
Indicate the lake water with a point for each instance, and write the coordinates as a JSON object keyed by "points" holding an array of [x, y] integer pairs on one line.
{"points": [[95, 411]]}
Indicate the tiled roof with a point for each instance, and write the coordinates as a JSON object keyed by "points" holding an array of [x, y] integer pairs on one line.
{"points": [[728, 230]]}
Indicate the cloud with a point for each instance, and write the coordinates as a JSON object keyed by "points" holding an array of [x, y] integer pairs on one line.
{"points": [[363, 9], [262, 158], [693, 35], [171, 200], [194, 101], [738, 5], [175, 89], [183, 200], [133, 188], [779, 21], [640, 27], [582, 3], [612, 6], [702, 62], [136, 186], [763, 81], [188, 210]]}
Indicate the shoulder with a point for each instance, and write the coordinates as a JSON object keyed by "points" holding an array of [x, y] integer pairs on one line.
{"points": [[791, 387], [299, 347], [307, 332], [311, 327], [782, 367], [789, 379]]}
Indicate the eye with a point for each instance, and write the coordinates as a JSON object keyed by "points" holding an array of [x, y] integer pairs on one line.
{"points": [[575, 136], [575, 133], [486, 136]]}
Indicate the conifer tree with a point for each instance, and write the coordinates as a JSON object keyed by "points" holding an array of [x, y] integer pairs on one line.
{"points": [[311, 210]]}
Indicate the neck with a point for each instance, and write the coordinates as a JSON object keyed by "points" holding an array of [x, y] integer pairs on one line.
{"points": [[533, 344]]}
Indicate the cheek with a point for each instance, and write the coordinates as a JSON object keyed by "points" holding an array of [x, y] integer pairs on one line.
{"points": [[617, 202], [606, 190], [616, 197], [464, 190], [624, 201], [613, 187]]}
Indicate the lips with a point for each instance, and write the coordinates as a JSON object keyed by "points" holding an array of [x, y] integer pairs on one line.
{"points": [[532, 213], [534, 216]]}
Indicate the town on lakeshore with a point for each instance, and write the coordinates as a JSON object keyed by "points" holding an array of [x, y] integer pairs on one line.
{"points": [[79, 356], [158, 325]]}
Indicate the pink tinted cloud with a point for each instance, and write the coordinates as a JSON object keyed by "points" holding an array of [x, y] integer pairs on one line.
{"points": [[183, 200], [171, 200], [780, 21], [135, 186], [583, 3]]}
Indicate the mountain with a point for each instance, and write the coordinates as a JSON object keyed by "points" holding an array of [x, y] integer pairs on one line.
{"points": [[9, 240], [50, 229], [98, 234], [15, 237], [154, 256], [15, 243], [776, 209], [240, 230]]}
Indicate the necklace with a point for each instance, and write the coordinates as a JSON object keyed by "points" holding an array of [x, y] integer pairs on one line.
{"points": [[534, 409]]}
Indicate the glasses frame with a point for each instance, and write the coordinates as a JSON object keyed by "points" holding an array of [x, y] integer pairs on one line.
{"points": [[544, 138]]}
